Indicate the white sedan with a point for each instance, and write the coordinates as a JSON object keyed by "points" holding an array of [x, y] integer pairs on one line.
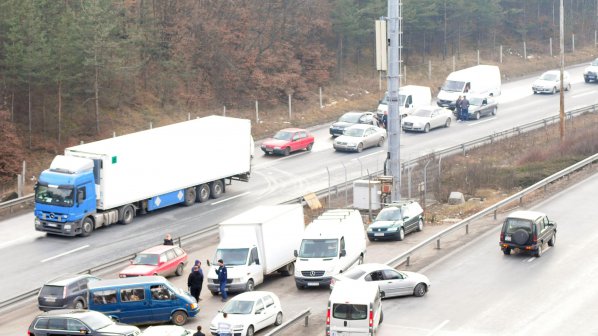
{"points": [[426, 118], [390, 281], [249, 312], [357, 137], [550, 82]]}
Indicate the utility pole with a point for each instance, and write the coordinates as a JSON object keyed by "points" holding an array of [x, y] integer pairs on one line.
{"points": [[395, 45], [562, 92]]}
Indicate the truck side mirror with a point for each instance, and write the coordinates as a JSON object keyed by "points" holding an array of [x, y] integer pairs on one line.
{"points": [[295, 253], [382, 294], [257, 261], [343, 253]]}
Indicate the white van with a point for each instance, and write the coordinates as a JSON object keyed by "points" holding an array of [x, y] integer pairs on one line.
{"points": [[354, 308], [331, 244], [484, 80], [410, 98]]}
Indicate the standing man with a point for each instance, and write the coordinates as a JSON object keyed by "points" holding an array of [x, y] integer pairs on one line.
{"points": [[222, 276], [224, 328], [168, 240], [199, 333], [458, 107], [195, 281], [464, 109]]}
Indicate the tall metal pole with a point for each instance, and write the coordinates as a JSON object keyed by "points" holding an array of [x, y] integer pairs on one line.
{"points": [[562, 92], [395, 40]]}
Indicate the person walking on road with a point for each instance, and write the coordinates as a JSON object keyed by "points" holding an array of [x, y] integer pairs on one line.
{"points": [[224, 327], [168, 240], [195, 282], [199, 333], [464, 109], [222, 277], [458, 107]]}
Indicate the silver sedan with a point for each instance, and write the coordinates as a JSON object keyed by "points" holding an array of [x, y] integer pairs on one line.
{"points": [[390, 281], [426, 118], [357, 137]]}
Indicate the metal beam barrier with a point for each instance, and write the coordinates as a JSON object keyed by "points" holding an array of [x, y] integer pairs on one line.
{"points": [[304, 314]]}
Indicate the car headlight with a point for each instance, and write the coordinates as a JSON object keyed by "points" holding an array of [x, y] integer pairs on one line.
{"points": [[67, 227], [238, 326], [392, 229], [37, 222], [370, 229]]}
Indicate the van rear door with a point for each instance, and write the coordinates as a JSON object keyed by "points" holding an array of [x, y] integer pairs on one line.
{"points": [[349, 319]]}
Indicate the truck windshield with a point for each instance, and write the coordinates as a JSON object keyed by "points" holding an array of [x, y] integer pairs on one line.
{"points": [[54, 195], [232, 257], [453, 86], [319, 248]]}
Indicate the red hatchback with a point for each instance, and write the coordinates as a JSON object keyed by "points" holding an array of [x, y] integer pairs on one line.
{"points": [[162, 260], [288, 140]]}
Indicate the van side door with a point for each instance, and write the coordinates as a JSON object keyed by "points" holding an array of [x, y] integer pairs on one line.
{"points": [[162, 302], [255, 267], [134, 306]]}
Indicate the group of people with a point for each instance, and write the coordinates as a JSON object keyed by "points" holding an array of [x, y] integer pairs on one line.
{"points": [[462, 108]]}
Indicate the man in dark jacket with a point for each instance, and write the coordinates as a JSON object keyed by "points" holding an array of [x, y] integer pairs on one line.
{"points": [[195, 281], [464, 109], [222, 276], [199, 333], [168, 240]]}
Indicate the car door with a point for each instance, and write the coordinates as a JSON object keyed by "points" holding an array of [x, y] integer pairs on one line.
{"points": [[368, 136], [378, 278], [397, 283], [260, 315], [134, 306], [271, 309], [410, 220], [434, 117], [545, 229]]}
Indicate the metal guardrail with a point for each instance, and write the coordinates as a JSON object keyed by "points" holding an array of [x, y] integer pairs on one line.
{"points": [[304, 314], [14, 203], [406, 256]]}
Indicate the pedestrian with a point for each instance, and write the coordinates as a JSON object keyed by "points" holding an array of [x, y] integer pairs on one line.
{"points": [[464, 108], [458, 107], [385, 120], [199, 333], [222, 276], [168, 240], [195, 282], [224, 328]]}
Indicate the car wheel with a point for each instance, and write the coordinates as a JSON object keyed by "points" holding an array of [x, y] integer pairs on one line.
{"points": [[494, 111], [420, 225], [381, 142], [278, 319], [420, 290], [249, 287], [250, 331], [127, 214], [553, 90], [86, 227], [216, 189], [309, 147], [477, 116], [179, 318], [78, 304], [360, 148], [401, 234], [427, 128], [448, 122], [534, 92], [539, 251], [371, 239], [202, 193], [587, 80], [190, 196], [299, 287], [179, 270], [287, 151], [214, 293], [552, 240], [507, 251]]}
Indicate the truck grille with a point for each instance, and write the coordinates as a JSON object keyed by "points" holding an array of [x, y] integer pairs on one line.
{"points": [[312, 273]]}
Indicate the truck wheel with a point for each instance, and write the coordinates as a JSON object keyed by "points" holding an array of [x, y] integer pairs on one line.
{"points": [[216, 189], [179, 318], [86, 227], [289, 269], [202, 193], [127, 214], [250, 286], [299, 287], [189, 196]]}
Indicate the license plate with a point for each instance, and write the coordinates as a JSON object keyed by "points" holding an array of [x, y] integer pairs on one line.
{"points": [[379, 234], [50, 299], [508, 238], [52, 225], [313, 284]]}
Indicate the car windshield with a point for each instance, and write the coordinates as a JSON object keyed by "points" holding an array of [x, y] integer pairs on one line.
{"points": [[347, 311], [551, 77], [318, 248], [514, 224], [389, 214], [232, 257], [476, 101], [350, 118], [283, 135], [54, 195], [354, 273], [423, 113], [238, 307], [354, 132], [453, 86], [146, 259], [97, 321]]}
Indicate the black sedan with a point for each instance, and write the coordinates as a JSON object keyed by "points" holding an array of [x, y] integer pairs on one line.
{"points": [[481, 106], [352, 118]]}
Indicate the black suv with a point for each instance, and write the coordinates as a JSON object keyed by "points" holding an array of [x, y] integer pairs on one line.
{"points": [[65, 292], [78, 322], [397, 219], [527, 231]]}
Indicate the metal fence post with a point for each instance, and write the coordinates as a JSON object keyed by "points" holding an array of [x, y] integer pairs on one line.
{"points": [[257, 112], [500, 54], [328, 170], [321, 105], [524, 52], [290, 108]]}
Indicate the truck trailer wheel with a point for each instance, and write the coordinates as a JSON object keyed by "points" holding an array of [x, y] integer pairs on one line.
{"points": [[86, 227], [203, 192], [288, 269], [216, 189], [128, 212], [189, 196]]}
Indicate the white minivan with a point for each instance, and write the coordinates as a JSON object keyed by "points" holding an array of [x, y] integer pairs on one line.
{"points": [[331, 244], [483, 80], [410, 98], [354, 308]]}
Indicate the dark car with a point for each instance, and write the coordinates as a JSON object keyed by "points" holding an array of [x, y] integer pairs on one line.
{"points": [[395, 220], [68, 291], [352, 118], [481, 107], [527, 231], [66, 322]]}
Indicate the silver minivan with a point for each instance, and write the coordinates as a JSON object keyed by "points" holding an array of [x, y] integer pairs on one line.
{"points": [[354, 308]]}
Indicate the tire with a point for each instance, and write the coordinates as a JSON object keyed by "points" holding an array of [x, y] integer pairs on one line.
{"points": [[494, 111], [299, 287], [278, 319], [214, 293], [289, 270], [371, 239], [587, 80], [401, 235], [249, 286], [287, 151], [179, 318], [202, 193], [540, 251], [420, 290], [78, 305], [190, 196], [86, 227], [250, 331], [128, 213], [360, 148], [507, 251], [553, 90], [179, 270], [381, 142], [427, 128], [477, 116], [447, 124], [552, 240], [216, 189], [309, 147], [520, 237], [420, 225]]}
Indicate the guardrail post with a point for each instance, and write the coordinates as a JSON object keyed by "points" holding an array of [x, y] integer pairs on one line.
{"points": [[438, 244], [306, 320], [520, 201], [495, 214], [467, 229], [408, 259], [463, 148]]}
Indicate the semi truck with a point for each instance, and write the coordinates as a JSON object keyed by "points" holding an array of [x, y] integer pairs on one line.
{"points": [[113, 180], [256, 243]]}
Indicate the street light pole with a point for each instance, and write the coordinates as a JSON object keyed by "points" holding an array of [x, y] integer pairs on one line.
{"points": [[395, 44]]}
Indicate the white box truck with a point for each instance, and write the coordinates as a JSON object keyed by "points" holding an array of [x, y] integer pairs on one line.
{"points": [[112, 180], [331, 244], [483, 80], [410, 98], [257, 243]]}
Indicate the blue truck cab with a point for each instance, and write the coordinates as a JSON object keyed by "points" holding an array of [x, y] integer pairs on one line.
{"points": [[65, 197], [142, 300]]}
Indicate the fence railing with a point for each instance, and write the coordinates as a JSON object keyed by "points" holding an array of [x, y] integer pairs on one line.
{"points": [[15, 203], [304, 314]]}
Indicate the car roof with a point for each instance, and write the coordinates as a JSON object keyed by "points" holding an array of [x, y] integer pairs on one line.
{"points": [[141, 280], [81, 313], [399, 203], [158, 249], [253, 295], [554, 72], [293, 129], [525, 214], [66, 279]]}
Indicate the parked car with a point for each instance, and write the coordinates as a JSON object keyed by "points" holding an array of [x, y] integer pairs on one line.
{"points": [[550, 82], [527, 231], [591, 72], [426, 118], [162, 260], [69, 291], [358, 137], [78, 322], [288, 140], [480, 106], [391, 282], [352, 118], [397, 219], [167, 330], [249, 312]]}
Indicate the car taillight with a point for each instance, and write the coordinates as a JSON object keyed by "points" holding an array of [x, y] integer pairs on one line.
{"points": [[535, 238], [332, 282], [328, 317], [371, 318], [502, 236]]}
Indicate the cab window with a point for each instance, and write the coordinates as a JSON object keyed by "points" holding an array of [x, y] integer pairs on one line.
{"points": [[104, 297], [161, 292], [170, 254]]}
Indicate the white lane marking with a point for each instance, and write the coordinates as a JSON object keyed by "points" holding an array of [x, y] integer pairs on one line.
{"points": [[230, 198], [583, 94], [361, 157], [481, 121], [65, 253], [433, 331], [531, 259]]}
